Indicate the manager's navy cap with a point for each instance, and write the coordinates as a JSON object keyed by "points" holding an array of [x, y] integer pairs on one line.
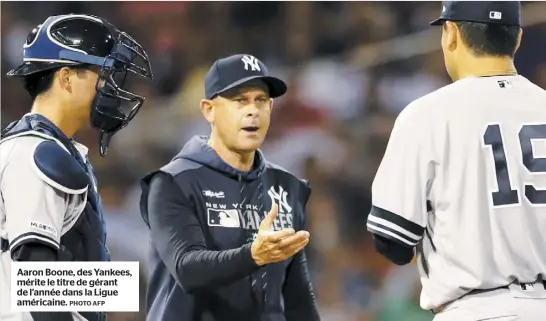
{"points": [[230, 72], [490, 12]]}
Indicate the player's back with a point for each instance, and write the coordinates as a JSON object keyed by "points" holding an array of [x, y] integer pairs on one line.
{"points": [[488, 219]]}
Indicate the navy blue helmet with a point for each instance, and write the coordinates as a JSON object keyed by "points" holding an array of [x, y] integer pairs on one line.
{"points": [[86, 40]]}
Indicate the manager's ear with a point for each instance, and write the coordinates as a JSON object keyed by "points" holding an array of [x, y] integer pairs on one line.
{"points": [[207, 109]]}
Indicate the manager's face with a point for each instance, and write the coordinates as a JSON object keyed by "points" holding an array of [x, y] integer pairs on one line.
{"points": [[241, 116]]}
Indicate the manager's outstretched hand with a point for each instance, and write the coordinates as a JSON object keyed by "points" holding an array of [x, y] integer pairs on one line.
{"points": [[276, 246]]}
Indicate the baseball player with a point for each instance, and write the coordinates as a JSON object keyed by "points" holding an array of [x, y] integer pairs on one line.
{"points": [[463, 178], [74, 69]]}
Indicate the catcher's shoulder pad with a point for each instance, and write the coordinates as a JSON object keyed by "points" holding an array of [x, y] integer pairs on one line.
{"points": [[59, 169]]}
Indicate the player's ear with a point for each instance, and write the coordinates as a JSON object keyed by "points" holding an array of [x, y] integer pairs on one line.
{"points": [[207, 109], [518, 43], [452, 35], [63, 78]]}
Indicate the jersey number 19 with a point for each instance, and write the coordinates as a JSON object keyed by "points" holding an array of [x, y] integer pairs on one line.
{"points": [[505, 194]]}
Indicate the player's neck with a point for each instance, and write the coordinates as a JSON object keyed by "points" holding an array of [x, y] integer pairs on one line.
{"points": [[235, 159], [487, 67], [51, 110]]}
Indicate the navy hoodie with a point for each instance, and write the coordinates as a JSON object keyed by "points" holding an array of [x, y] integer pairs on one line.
{"points": [[203, 215]]}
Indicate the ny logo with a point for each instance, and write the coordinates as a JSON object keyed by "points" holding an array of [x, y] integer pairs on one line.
{"points": [[280, 199], [252, 62]]}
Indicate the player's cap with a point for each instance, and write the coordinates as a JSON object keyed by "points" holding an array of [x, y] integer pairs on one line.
{"points": [[230, 72], [490, 12]]}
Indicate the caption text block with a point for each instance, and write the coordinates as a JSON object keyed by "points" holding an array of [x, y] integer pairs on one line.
{"points": [[75, 286]]}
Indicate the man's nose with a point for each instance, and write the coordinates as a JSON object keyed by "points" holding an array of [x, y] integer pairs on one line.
{"points": [[251, 109]]}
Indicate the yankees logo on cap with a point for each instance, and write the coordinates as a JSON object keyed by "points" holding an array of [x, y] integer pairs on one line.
{"points": [[252, 62]]}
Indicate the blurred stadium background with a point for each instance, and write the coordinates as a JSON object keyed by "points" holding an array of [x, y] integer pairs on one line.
{"points": [[351, 68]]}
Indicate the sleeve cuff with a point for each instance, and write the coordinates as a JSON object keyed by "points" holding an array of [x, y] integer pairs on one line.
{"points": [[33, 237], [394, 227], [247, 260]]}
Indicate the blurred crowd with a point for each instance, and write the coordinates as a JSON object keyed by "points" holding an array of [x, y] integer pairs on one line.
{"points": [[331, 128]]}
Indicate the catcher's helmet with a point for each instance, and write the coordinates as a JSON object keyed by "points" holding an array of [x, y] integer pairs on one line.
{"points": [[76, 40]]}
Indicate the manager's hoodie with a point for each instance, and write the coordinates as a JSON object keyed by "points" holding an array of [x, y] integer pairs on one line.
{"points": [[203, 215]]}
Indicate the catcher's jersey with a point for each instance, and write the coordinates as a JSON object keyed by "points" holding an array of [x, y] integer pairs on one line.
{"points": [[463, 179], [33, 208]]}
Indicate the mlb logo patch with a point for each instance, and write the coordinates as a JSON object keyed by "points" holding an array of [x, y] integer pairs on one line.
{"points": [[505, 84], [223, 218], [495, 15]]}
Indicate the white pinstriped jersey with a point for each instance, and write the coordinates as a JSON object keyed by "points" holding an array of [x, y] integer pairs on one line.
{"points": [[463, 178], [32, 208]]}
